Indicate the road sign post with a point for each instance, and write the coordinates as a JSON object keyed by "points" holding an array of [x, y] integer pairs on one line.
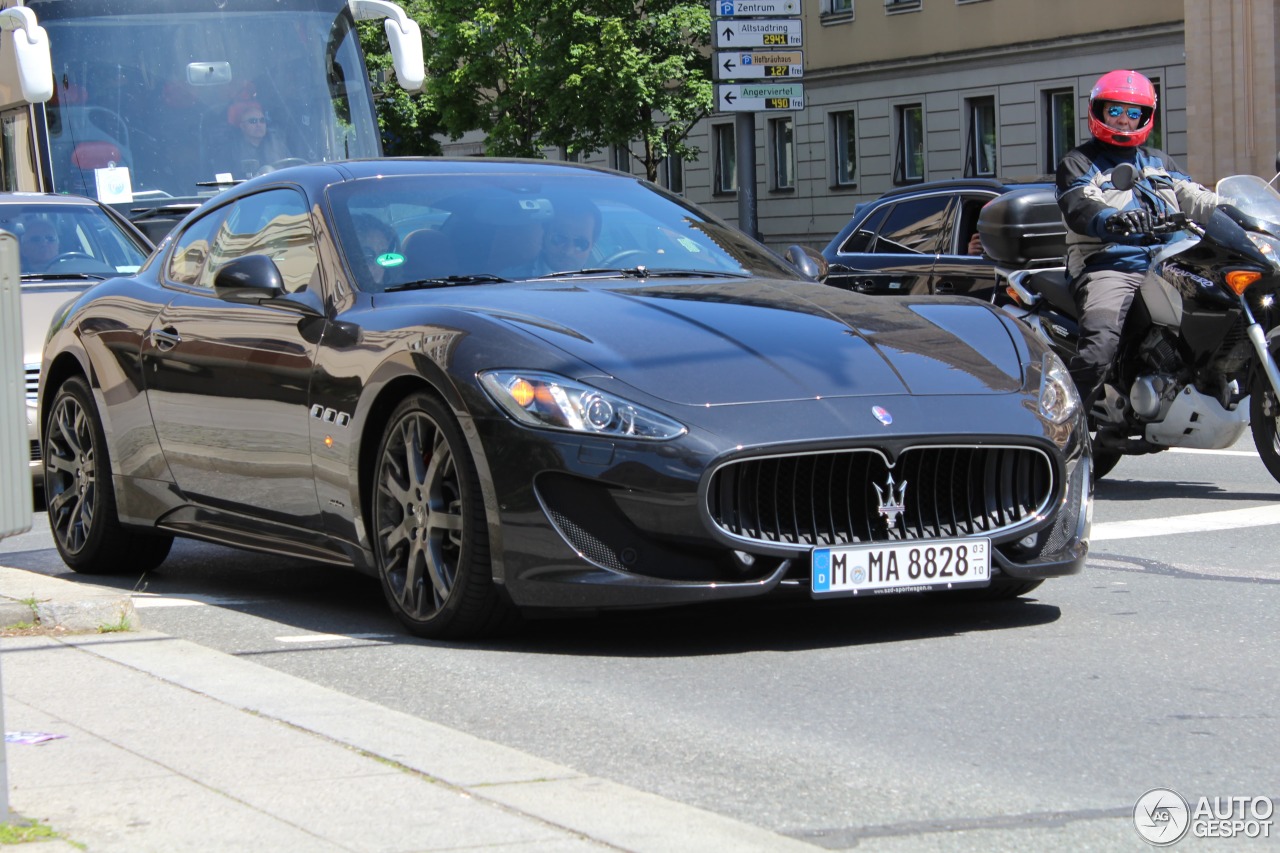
{"points": [[756, 41]]}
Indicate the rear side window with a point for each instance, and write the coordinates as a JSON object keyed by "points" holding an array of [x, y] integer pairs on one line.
{"points": [[914, 226]]}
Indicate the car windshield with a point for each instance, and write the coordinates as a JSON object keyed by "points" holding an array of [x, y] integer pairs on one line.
{"points": [[71, 241], [441, 230]]}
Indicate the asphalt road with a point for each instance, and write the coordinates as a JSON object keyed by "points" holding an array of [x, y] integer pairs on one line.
{"points": [[894, 724]]}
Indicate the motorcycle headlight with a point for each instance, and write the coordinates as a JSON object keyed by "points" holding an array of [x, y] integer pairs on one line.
{"points": [[1267, 245], [1059, 400], [554, 402]]}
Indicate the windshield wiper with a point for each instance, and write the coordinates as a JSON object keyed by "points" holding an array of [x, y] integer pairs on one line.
{"points": [[63, 276], [448, 281], [641, 272]]}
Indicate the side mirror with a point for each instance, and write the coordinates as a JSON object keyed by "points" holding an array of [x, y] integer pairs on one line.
{"points": [[809, 262], [1124, 176], [250, 279]]}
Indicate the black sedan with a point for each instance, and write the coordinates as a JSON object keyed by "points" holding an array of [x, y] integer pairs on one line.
{"points": [[506, 387]]}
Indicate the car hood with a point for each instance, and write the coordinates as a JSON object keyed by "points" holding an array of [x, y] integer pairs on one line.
{"points": [[766, 341]]}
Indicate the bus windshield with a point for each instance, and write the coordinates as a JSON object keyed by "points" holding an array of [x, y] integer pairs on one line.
{"points": [[189, 97]]}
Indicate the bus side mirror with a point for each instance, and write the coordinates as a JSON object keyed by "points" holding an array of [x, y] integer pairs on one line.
{"points": [[404, 36]]}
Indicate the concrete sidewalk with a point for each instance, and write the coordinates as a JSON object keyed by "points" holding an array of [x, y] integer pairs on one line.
{"points": [[170, 746]]}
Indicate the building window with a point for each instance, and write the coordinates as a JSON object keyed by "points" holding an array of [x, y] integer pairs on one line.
{"points": [[620, 158], [842, 9], [1156, 139], [782, 153], [671, 174], [726, 159], [909, 167], [844, 148], [1060, 117], [570, 156], [980, 158], [894, 6]]}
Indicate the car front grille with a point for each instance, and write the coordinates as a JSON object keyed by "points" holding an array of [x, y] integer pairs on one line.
{"points": [[33, 388], [825, 499], [33, 381]]}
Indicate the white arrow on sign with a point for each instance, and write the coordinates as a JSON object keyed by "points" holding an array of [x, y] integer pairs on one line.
{"points": [[784, 33], [756, 97], [760, 65]]}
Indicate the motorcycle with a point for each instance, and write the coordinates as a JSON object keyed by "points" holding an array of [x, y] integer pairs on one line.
{"points": [[1197, 358]]}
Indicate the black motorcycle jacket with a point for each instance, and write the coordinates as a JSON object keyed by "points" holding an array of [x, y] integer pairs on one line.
{"points": [[1088, 198]]}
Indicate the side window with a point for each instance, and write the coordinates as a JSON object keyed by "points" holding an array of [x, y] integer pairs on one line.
{"points": [[275, 223], [967, 222], [191, 251], [914, 226], [861, 239]]}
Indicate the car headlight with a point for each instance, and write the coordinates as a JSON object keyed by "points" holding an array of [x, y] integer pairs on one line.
{"points": [[554, 402], [1059, 400]]}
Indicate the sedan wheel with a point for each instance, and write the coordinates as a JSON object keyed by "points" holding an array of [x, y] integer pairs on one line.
{"points": [[431, 541], [79, 494]]}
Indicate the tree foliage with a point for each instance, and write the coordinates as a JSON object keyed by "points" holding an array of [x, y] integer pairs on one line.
{"points": [[577, 74], [407, 122]]}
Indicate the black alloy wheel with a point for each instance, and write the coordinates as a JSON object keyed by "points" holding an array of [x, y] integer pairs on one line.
{"points": [[79, 495], [430, 538]]}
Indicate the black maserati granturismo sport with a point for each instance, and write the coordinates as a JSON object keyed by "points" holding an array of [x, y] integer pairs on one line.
{"points": [[508, 387]]}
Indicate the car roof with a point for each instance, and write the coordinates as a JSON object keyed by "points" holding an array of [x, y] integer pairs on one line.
{"points": [[53, 199], [997, 185]]}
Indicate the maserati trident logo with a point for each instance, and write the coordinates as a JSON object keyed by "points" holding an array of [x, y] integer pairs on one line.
{"points": [[894, 503]]}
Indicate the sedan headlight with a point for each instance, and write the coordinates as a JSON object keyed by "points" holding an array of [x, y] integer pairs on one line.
{"points": [[1059, 400], [554, 402]]}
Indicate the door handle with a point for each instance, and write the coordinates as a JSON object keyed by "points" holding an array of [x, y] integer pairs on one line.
{"points": [[165, 339]]}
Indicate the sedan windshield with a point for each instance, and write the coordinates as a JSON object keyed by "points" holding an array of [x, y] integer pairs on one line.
{"points": [[71, 241], [484, 229]]}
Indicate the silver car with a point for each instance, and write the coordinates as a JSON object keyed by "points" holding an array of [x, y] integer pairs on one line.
{"points": [[68, 243]]}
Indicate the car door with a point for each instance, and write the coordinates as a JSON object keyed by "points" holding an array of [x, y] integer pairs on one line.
{"points": [[894, 251], [228, 383], [956, 271]]}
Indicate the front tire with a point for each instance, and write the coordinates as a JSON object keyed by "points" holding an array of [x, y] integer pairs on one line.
{"points": [[430, 536], [1264, 412], [79, 494]]}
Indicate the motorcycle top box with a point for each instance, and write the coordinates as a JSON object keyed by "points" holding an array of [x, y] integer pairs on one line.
{"points": [[1023, 227]]}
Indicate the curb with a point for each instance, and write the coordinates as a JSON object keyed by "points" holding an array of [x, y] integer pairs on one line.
{"points": [[53, 603]]}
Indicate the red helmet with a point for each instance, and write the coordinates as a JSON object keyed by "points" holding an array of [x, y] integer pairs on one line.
{"points": [[1125, 87]]}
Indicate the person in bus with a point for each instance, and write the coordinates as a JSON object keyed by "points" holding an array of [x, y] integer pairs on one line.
{"points": [[255, 145]]}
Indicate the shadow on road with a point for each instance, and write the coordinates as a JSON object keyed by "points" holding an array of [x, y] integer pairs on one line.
{"points": [[328, 600]]}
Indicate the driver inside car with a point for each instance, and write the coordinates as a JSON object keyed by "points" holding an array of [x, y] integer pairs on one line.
{"points": [[39, 246]]}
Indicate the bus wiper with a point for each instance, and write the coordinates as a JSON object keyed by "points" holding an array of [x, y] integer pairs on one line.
{"points": [[448, 281]]}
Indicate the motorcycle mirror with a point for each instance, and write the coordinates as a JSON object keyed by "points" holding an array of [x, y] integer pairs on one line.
{"points": [[1124, 176]]}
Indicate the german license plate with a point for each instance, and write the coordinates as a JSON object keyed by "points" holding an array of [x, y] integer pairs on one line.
{"points": [[901, 566]]}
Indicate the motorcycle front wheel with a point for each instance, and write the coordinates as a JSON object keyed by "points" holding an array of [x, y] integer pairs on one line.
{"points": [[1263, 415]]}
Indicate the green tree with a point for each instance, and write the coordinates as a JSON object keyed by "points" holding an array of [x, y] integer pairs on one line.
{"points": [[407, 122], [579, 74], [635, 71]]}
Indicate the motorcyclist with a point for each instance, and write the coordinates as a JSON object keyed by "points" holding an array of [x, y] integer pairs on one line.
{"points": [[1107, 243]]}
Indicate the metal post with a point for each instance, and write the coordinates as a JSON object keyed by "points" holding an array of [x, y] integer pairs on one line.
{"points": [[744, 138]]}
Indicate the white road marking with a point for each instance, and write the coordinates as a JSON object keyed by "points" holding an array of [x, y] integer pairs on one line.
{"points": [[143, 600], [1230, 519], [1252, 453], [328, 638]]}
